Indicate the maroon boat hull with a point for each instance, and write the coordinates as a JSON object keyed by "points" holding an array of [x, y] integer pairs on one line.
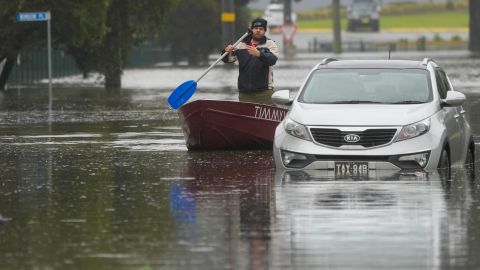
{"points": [[223, 124]]}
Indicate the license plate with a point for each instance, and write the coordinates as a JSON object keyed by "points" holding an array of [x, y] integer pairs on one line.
{"points": [[365, 20], [351, 169]]}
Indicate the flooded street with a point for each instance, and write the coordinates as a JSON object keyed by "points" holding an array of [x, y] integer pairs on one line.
{"points": [[109, 184]]}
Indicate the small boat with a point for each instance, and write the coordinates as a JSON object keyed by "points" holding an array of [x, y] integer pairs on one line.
{"points": [[225, 125]]}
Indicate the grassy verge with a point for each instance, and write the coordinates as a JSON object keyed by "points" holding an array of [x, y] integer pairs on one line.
{"points": [[452, 19]]}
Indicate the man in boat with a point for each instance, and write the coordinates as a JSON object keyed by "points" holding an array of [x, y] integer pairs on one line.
{"points": [[256, 55]]}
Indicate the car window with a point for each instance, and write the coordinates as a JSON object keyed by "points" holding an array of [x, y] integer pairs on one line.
{"points": [[364, 6], [386, 86], [442, 82]]}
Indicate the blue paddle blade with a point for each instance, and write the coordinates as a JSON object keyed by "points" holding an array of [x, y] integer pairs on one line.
{"points": [[182, 94]]}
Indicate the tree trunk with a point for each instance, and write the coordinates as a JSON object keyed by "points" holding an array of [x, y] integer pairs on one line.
{"points": [[114, 52], [113, 79], [474, 36], [113, 69]]}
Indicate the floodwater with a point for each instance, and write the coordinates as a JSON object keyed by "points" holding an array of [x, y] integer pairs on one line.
{"points": [[109, 184]]}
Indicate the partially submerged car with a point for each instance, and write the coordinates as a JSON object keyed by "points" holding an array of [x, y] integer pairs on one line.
{"points": [[353, 116]]}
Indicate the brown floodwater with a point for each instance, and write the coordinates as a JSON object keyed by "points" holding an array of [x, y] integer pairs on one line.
{"points": [[109, 184]]}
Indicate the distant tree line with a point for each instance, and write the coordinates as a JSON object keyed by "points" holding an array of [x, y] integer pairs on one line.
{"points": [[99, 34], [193, 29]]}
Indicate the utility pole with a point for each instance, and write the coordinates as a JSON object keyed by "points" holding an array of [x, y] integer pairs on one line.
{"points": [[228, 22], [337, 39], [288, 30], [287, 12], [474, 28]]}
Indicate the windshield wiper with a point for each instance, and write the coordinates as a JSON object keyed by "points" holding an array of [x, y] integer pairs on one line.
{"points": [[408, 102], [354, 102]]}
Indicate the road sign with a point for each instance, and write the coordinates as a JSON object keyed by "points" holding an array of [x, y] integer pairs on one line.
{"points": [[32, 16], [41, 17], [288, 31]]}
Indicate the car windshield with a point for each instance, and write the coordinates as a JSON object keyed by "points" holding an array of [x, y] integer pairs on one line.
{"points": [[364, 6], [355, 86]]}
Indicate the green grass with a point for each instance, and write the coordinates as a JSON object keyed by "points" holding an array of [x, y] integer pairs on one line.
{"points": [[454, 19]]}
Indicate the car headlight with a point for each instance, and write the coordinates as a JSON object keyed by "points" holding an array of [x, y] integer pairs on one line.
{"points": [[294, 160], [295, 129], [418, 158], [414, 130]]}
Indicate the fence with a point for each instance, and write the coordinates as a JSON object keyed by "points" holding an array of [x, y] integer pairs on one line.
{"points": [[422, 44], [32, 66]]}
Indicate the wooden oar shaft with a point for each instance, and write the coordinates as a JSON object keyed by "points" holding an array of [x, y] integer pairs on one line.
{"points": [[221, 57]]}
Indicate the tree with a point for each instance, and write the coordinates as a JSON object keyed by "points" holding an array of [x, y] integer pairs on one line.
{"points": [[193, 30], [474, 37], [242, 15], [128, 22], [74, 26], [97, 33], [14, 36], [80, 29]]}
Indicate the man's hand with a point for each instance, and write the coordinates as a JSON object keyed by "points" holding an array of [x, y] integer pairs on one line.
{"points": [[229, 48], [252, 50]]}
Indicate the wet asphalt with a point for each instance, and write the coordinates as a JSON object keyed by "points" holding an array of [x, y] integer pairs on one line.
{"points": [[109, 184]]}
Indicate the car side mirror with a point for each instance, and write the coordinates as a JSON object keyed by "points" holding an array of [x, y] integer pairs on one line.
{"points": [[282, 97], [454, 99]]}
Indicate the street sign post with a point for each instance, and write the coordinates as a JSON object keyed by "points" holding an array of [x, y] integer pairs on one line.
{"points": [[41, 17], [33, 16], [288, 31]]}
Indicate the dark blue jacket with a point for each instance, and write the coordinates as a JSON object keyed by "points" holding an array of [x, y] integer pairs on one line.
{"points": [[255, 73]]}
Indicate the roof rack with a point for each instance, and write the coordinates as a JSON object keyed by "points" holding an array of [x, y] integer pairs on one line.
{"points": [[327, 60], [426, 60]]}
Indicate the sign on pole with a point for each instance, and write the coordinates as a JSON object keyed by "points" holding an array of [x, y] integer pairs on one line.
{"points": [[33, 16], [288, 31], [40, 17]]}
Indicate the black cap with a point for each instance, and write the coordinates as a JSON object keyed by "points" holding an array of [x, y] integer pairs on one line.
{"points": [[259, 22]]}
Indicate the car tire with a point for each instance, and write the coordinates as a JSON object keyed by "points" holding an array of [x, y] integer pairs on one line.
{"points": [[444, 166], [470, 162]]}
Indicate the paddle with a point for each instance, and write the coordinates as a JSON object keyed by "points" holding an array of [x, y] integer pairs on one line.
{"points": [[184, 91]]}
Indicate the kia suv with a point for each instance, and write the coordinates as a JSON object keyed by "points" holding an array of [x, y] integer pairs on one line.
{"points": [[354, 116]]}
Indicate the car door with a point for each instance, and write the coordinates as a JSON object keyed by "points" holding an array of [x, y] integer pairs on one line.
{"points": [[463, 126], [453, 118]]}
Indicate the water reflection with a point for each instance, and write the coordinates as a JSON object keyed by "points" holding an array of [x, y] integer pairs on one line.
{"points": [[88, 206], [234, 211], [414, 222]]}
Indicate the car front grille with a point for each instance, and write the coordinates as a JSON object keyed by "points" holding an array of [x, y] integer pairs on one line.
{"points": [[367, 138]]}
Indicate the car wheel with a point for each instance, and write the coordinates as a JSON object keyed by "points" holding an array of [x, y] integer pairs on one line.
{"points": [[470, 163], [444, 164]]}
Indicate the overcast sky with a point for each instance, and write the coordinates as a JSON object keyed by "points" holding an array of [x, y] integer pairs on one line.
{"points": [[308, 4]]}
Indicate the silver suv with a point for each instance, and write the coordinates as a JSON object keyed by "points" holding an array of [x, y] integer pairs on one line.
{"points": [[354, 116], [363, 14]]}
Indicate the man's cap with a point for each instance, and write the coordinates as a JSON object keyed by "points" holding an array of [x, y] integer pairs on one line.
{"points": [[259, 22]]}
